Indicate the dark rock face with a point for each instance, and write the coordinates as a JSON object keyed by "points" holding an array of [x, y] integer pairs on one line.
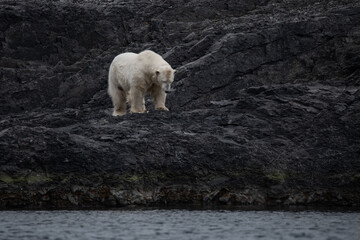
{"points": [[266, 108]]}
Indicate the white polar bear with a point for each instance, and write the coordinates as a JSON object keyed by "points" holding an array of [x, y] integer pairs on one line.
{"points": [[133, 75]]}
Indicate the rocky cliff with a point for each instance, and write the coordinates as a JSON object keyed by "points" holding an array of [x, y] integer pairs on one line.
{"points": [[266, 109]]}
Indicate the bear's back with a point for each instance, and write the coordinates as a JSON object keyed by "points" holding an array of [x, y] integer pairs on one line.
{"points": [[125, 58], [150, 57]]}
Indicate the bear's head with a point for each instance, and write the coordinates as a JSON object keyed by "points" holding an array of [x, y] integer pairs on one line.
{"points": [[164, 77]]}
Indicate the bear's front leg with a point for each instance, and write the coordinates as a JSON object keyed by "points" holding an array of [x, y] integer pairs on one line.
{"points": [[158, 96], [137, 100]]}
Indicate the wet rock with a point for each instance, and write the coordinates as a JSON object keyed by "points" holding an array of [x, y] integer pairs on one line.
{"points": [[265, 112]]}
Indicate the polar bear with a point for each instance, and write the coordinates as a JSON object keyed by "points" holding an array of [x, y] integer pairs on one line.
{"points": [[132, 76]]}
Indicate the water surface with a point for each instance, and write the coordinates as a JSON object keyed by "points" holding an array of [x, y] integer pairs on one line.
{"points": [[179, 224]]}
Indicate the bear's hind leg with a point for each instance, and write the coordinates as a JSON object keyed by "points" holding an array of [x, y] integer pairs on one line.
{"points": [[118, 97]]}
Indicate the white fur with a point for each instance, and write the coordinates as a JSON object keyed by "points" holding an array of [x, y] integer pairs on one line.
{"points": [[133, 75]]}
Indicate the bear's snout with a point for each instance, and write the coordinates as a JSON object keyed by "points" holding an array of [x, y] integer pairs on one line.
{"points": [[170, 90], [166, 87]]}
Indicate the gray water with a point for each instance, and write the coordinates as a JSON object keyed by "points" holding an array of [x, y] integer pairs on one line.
{"points": [[179, 224]]}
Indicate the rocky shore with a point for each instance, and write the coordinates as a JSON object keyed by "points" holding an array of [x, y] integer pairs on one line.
{"points": [[266, 109]]}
